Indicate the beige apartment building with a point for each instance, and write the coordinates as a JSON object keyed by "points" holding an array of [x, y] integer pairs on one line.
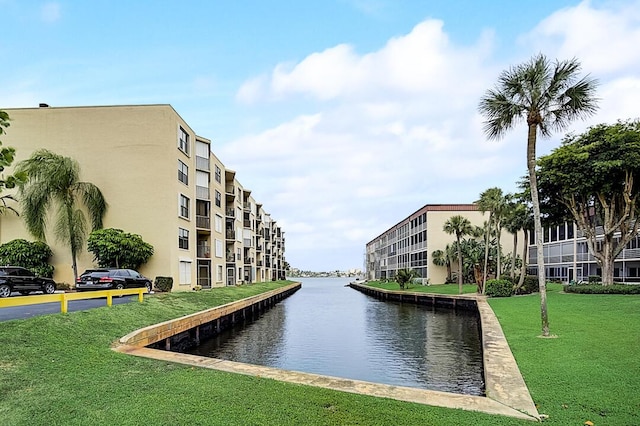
{"points": [[161, 181], [411, 242]]}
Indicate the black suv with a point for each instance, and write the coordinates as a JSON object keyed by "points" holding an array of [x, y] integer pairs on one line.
{"points": [[111, 279], [16, 278]]}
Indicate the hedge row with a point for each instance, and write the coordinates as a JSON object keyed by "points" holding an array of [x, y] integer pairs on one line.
{"points": [[603, 289]]}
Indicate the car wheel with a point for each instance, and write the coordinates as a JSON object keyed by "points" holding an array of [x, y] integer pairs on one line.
{"points": [[49, 288], [119, 286], [5, 290]]}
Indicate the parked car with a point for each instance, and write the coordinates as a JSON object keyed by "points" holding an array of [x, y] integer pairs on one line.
{"points": [[111, 279], [22, 280]]}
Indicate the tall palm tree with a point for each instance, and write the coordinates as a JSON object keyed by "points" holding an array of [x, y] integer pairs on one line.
{"points": [[547, 96], [7, 155], [459, 226], [493, 201], [54, 182]]}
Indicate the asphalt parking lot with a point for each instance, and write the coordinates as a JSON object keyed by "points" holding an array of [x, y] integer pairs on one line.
{"points": [[28, 311]]}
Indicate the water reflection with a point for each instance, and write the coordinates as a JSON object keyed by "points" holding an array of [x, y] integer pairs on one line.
{"points": [[329, 329]]}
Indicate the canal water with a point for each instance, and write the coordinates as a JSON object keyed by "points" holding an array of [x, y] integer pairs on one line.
{"points": [[329, 329]]}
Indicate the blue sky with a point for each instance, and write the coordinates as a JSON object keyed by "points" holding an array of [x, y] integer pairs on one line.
{"points": [[341, 116]]}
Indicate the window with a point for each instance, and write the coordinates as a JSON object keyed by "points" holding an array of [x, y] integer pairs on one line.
{"points": [[185, 273], [219, 250], [218, 198], [218, 223], [219, 277], [183, 141], [218, 174], [184, 206], [183, 238], [183, 173]]}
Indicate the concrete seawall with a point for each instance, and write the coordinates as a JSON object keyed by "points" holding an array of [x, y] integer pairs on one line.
{"points": [[506, 392], [503, 380], [182, 333]]}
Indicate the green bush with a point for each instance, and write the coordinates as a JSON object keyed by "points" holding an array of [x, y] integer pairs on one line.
{"points": [[499, 288], [595, 279], [530, 285], [31, 255], [163, 284], [603, 289]]}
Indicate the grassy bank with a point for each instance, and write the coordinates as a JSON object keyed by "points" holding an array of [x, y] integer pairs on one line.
{"points": [[438, 289], [58, 370]]}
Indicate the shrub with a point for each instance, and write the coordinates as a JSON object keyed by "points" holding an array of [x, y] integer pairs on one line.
{"points": [[114, 247], [530, 285], [163, 284], [603, 289], [499, 288], [31, 255], [595, 279], [63, 286]]}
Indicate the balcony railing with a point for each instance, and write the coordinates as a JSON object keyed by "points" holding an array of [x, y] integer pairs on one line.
{"points": [[202, 192], [204, 251], [248, 260], [231, 234], [203, 222], [231, 258], [230, 190], [231, 213], [202, 163]]}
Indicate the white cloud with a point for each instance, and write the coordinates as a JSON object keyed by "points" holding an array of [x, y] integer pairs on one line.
{"points": [[50, 12], [605, 39], [398, 127]]}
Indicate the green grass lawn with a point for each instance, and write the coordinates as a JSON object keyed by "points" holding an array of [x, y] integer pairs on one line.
{"points": [[58, 370], [438, 289]]}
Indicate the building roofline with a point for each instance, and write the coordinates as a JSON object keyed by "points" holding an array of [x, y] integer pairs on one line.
{"points": [[430, 208]]}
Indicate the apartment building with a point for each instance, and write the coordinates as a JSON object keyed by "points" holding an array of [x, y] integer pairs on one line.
{"points": [[161, 181], [411, 242], [567, 257]]}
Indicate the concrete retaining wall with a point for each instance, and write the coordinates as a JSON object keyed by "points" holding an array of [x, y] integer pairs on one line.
{"points": [[183, 333]]}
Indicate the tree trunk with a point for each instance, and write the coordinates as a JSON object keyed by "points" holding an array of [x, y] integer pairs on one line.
{"points": [[537, 225], [607, 260], [459, 264], [513, 257], [487, 233], [498, 252], [525, 255], [448, 271]]}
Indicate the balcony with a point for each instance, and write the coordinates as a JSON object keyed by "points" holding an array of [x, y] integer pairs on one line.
{"points": [[202, 163], [204, 251], [259, 263], [231, 213], [202, 192], [259, 247], [248, 260], [231, 258], [230, 190], [230, 234], [203, 222]]}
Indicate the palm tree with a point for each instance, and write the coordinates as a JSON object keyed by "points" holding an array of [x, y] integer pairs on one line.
{"points": [[7, 155], [54, 182], [441, 258], [516, 219], [493, 201], [548, 96], [460, 226], [405, 276]]}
